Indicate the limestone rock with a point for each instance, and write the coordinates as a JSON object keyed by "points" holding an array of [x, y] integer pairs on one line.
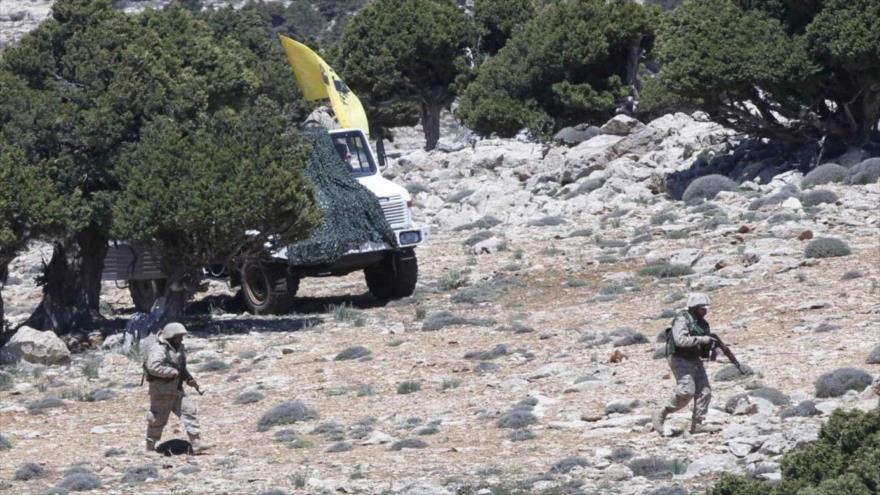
{"points": [[37, 347], [621, 125]]}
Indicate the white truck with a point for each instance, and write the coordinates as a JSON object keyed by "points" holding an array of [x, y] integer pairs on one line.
{"points": [[268, 286]]}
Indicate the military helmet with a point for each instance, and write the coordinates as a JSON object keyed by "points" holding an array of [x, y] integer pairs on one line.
{"points": [[696, 299], [172, 330]]}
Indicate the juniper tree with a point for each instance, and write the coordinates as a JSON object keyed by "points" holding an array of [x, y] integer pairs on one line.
{"points": [[400, 53], [790, 70], [573, 62], [80, 90]]}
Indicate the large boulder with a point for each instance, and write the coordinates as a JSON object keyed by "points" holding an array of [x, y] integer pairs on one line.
{"points": [[621, 125], [39, 347], [575, 135]]}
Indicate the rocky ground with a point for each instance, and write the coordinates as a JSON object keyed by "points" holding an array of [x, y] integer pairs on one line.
{"points": [[527, 360]]}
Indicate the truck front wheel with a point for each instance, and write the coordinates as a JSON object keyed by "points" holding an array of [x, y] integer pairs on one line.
{"points": [[145, 292], [267, 289], [395, 276]]}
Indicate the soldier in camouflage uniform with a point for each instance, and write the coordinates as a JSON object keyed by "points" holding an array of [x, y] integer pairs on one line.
{"points": [[687, 342], [165, 370]]}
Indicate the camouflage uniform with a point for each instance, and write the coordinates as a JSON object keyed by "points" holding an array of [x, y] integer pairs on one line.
{"points": [[161, 370], [688, 341]]}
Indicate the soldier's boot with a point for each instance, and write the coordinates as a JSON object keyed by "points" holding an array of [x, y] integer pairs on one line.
{"points": [[698, 427], [658, 420], [197, 446], [151, 446]]}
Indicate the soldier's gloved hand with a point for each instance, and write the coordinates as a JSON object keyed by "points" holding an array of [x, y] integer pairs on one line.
{"points": [[706, 340], [190, 382]]}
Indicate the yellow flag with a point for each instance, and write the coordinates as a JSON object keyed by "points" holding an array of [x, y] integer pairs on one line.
{"points": [[318, 81]]}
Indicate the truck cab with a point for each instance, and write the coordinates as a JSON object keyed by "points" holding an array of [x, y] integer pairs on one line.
{"points": [[269, 284]]}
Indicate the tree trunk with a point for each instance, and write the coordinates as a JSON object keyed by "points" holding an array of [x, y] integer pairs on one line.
{"points": [[431, 123], [92, 250], [634, 53], [4, 275], [72, 284], [57, 310]]}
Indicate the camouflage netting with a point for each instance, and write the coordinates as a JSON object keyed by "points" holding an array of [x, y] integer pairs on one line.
{"points": [[352, 215]]}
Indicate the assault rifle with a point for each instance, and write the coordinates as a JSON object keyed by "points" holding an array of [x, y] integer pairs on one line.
{"points": [[719, 345], [186, 377]]}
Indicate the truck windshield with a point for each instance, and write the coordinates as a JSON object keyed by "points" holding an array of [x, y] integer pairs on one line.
{"points": [[354, 152]]}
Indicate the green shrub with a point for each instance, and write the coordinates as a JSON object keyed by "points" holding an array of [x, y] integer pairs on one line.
{"points": [[416, 187], [565, 466], [663, 217], [408, 443], [286, 413], [817, 197], [773, 395], [839, 381], [452, 280], [657, 467], [29, 471], [408, 387], [803, 409], [826, 247], [867, 172], [477, 238], [874, 356], [549, 221], [824, 174], [354, 352], [6, 381], [458, 196], [666, 270], [707, 187], [844, 460], [486, 222], [731, 372], [250, 397]]}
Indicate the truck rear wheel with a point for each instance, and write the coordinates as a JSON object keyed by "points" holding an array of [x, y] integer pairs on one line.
{"points": [[395, 276], [267, 289], [145, 292]]}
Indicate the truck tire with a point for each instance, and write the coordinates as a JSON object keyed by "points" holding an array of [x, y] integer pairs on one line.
{"points": [[145, 292], [395, 276], [267, 289]]}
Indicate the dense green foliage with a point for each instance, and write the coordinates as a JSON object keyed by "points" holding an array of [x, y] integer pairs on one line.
{"points": [[399, 53], [239, 175], [315, 22], [784, 69], [92, 90], [567, 65], [497, 19], [28, 204], [845, 459]]}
